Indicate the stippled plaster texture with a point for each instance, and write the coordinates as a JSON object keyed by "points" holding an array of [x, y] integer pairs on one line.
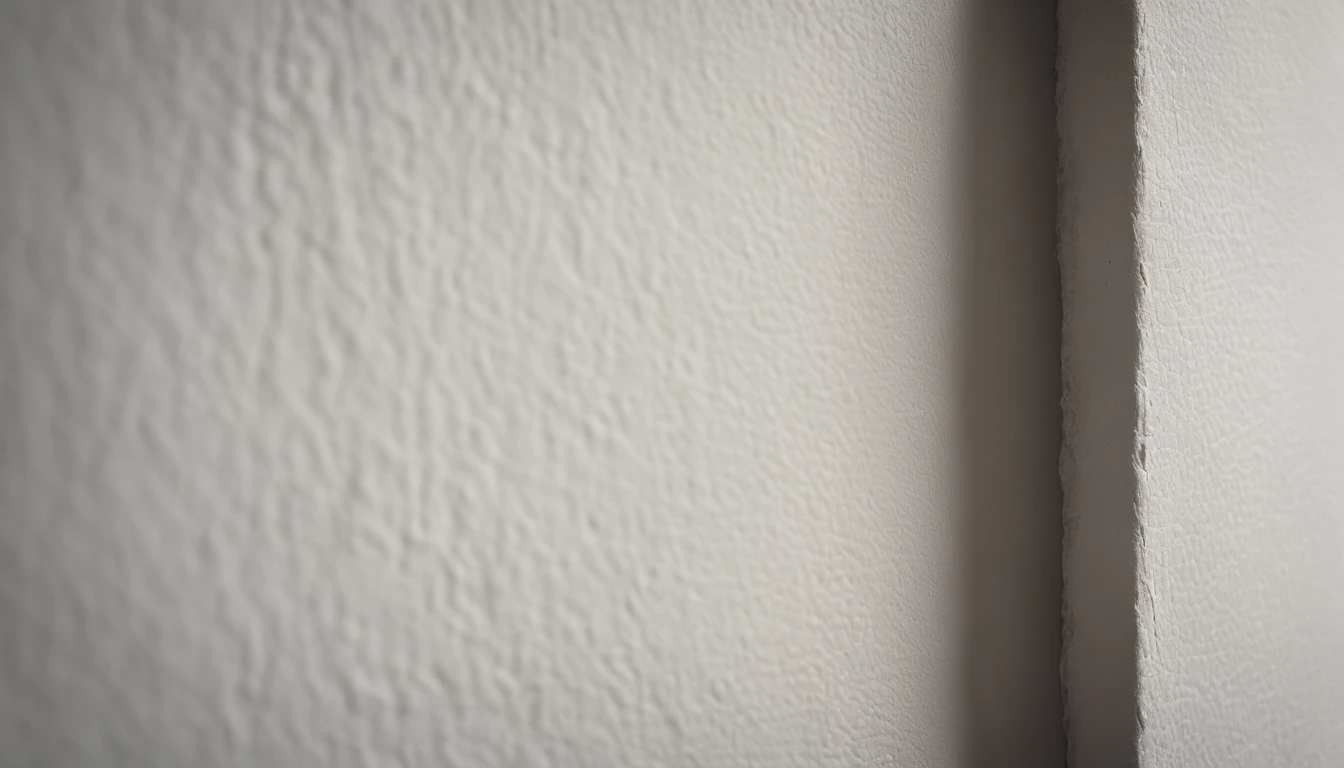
{"points": [[1241, 408], [498, 383]]}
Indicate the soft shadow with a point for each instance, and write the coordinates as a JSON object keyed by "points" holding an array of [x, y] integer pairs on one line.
{"points": [[1098, 255], [1010, 400]]}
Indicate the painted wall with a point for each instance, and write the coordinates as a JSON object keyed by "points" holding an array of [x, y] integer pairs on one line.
{"points": [[1241, 409], [514, 383]]}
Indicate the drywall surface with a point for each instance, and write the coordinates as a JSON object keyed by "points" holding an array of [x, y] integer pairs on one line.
{"points": [[1098, 350], [499, 383], [1241, 390]]}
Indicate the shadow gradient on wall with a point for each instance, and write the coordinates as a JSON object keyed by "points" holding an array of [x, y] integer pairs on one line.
{"points": [[1099, 349], [1010, 401]]}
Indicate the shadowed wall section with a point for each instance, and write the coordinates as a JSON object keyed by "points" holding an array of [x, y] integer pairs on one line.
{"points": [[1011, 412], [1097, 155]]}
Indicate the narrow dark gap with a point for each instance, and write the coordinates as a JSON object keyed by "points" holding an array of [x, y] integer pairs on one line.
{"points": [[1099, 262], [1012, 515]]}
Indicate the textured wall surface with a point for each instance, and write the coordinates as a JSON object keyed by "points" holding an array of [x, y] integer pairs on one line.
{"points": [[501, 383], [1241, 408]]}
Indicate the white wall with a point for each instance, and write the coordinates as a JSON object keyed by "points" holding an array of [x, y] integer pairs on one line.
{"points": [[1241, 413], [502, 383]]}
